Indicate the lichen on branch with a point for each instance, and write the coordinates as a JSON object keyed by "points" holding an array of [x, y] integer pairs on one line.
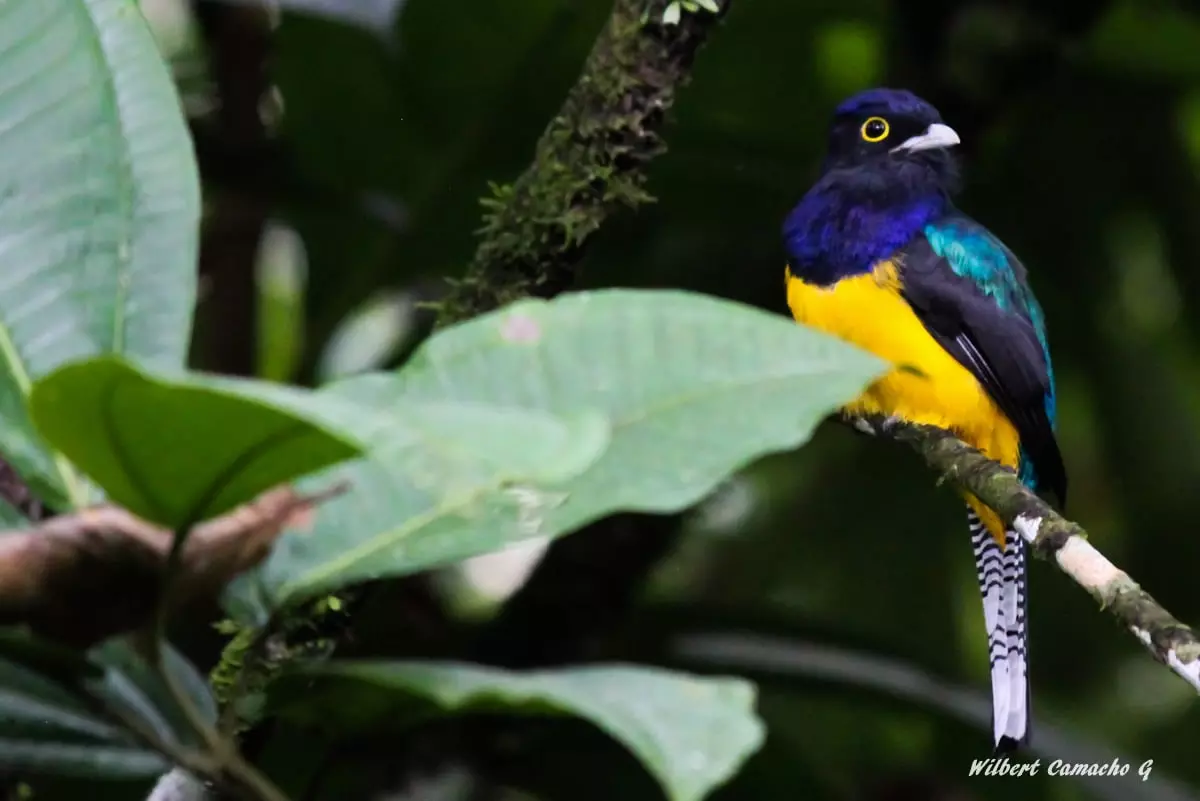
{"points": [[1052, 536], [589, 162]]}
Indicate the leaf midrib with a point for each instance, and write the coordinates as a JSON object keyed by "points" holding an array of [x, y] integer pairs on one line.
{"points": [[125, 196]]}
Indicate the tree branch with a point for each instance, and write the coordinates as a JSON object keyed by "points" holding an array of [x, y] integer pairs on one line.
{"points": [[589, 162], [1053, 537]]}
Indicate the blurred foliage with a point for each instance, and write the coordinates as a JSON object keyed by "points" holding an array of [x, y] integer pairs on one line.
{"points": [[1081, 122]]}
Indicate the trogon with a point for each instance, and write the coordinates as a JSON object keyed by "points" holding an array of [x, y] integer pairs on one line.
{"points": [[879, 255]]}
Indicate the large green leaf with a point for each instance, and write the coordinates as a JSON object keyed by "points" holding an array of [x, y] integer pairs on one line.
{"points": [[690, 388], [690, 733], [176, 451], [98, 211]]}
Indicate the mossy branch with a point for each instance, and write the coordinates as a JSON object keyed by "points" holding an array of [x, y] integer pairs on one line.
{"points": [[589, 162], [1051, 536]]}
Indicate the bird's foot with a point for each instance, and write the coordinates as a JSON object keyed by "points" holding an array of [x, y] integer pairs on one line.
{"points": [[872, 426]]}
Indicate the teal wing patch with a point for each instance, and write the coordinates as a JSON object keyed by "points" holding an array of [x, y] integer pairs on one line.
{"points": [[975, 253]]}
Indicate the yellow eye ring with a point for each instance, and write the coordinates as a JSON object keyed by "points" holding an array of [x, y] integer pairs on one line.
{"points": [[875, 129]]}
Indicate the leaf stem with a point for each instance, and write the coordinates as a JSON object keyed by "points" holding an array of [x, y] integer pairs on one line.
{"points": [[228, 764]]}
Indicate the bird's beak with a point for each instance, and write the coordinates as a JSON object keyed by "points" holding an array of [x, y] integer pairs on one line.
{"points": [[936, 135]]}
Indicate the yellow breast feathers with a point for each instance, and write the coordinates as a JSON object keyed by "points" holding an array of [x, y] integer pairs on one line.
{"points": [[926, 384]]}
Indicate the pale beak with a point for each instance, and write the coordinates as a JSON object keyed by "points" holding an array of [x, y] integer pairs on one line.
{"points": [[936, 135]]}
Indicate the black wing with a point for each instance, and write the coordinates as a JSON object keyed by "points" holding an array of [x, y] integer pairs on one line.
{"points": [[990, 334]]}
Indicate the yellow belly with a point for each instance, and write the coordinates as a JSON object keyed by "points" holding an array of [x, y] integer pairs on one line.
{"points": [[926, 385]]}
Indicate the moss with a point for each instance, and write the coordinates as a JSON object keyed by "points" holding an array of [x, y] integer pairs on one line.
{"points": [[224, 678], [1136, 608], [589, 162], [252, 657]]}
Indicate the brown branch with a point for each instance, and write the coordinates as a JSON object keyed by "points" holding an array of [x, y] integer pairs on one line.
{"points": [[1053, 537], [83, 577]]}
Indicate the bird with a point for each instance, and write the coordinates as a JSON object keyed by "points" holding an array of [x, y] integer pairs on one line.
{"points": [[879, 255]]}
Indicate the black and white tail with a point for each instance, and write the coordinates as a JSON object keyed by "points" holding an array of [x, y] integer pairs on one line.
{"points": [[1002, 584]]}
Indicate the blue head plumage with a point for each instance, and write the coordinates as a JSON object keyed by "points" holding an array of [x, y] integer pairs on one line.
{"points": [[887, 173]]}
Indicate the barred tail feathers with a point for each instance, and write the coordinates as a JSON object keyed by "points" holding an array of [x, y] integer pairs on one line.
{"points": [[1001, 575], [1016, 601]]}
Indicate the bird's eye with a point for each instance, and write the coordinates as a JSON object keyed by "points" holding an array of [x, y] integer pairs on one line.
{"points": [[875, 129]]}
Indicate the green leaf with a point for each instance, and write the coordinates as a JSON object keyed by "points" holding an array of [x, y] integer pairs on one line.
{"points": [[33, 702], [87, 761], [448, 442], [99, 214], [133, 682], [20, 647], [179, 450], [672, 13], [689, 389], [443, 462], [690, 733], [46, 728]]}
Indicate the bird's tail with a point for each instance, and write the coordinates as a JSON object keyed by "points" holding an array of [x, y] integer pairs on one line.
{"points": [[1002, 584]]}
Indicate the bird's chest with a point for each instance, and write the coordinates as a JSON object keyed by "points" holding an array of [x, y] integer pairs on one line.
{"points": [[868, 310]]}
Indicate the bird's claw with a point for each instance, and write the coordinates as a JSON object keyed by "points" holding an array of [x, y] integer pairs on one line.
{"points": [[890, 423], [863, 425]]}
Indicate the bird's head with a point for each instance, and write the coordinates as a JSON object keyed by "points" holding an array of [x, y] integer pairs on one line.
{"points": [[892, 133], [888, 171]]}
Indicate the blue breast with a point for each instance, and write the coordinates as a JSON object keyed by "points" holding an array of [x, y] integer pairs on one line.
{"points": [[830, 235]]}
